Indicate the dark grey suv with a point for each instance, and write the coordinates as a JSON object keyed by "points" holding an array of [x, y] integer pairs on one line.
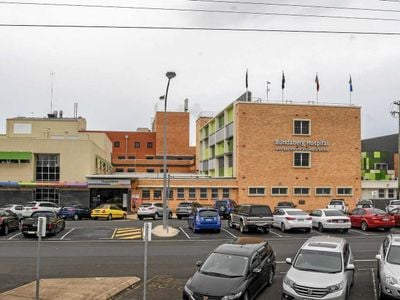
{"points": [[185, 208], [251, 216], [225, 207]]}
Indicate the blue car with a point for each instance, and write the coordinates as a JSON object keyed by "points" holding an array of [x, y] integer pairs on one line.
{"points": [[75, 212], [204, 218]]}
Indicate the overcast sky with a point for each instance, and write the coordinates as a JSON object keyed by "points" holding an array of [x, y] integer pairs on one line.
{"points": [[118, 75]]}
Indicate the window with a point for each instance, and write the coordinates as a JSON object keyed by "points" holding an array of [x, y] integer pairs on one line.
{"points": [[279, 191], [323, 191], [381, 166], [137, 144], [344, 191], [214, 193], [131, 157], [47, 167], [119, 170], [150, 170], [203, 193], [157, 194], [301, 127], [131, 170], [301, 159], [192, 193], [117, 144], [149, 145], [390, 193], [381, 193], [225, 193], [180, 193], [162, 170], [256, 191], [145, 194], [149, 157], [47, 194], [301, 191], [170, 194], [121, 157]]}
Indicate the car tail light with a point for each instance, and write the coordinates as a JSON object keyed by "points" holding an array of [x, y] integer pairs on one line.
{"points": [[70, 209], [50, 226], [33, 208], [290, 218]]}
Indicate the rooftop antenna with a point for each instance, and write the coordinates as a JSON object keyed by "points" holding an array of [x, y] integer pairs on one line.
{"points": [[51, 92]]}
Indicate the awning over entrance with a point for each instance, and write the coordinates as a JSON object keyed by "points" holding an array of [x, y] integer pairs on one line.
{"points": [[15, 156]]}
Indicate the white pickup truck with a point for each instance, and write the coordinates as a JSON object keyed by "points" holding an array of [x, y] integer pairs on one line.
{"points": [[338, 204]]}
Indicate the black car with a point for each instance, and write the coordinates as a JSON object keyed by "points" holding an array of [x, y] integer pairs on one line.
{"points": [[54, 223], [75, 212], [8, 221], [238, 270]]}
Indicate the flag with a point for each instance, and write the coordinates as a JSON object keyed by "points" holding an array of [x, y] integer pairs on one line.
{"points": [[317, 82], [351, 85], [247, 81], [283, 80]]}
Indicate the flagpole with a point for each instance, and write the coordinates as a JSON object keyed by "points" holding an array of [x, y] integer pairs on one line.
{"points": [[282, 95], [317, 96], [350, 97]]}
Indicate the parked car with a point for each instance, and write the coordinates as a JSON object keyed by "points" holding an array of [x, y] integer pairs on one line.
{"points": [[152, 210], [185, 208], [225, 207], [204, 218], [8, 221], [15, 208], [292, 218], [54, 223], [396, 215], [366, 218], [108, 211], [338, 204], [392, 205], [251, 216], [75, 211], [322, 269], [285, 204], [237, 270], [365, 204], [388, 272], [324, 219], [35, 206]]}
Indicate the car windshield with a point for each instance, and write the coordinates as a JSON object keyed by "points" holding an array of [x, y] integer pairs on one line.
{"points": [[296, 213], [42, 214], [376, 211], [8, 205], [103, 206], [208, 213], [145, 205], [318, 261], [226, 265], [334, 213], [336, 202], [184, 204], [396, 202], [260, 210], [221, 203], [393, 256], [30, 204]]}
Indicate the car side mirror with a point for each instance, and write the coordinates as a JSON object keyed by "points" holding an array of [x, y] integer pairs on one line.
{"points": [[378, 257], [199, 263], [350, 267], [288, 260], [256, 270]]}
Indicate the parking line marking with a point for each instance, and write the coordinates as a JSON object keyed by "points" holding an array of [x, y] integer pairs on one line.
{"points": [[10, 238], [181, 229], [352, 230], [229, 232], [67, 233], [115, 231], [374, 284], [275, 233], [364, 260]]}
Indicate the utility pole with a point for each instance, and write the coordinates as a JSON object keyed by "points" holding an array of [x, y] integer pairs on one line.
{"points": [[396, 113]]}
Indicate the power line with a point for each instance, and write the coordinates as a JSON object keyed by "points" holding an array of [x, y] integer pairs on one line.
{"points": [[382, 33], [196, 10]]}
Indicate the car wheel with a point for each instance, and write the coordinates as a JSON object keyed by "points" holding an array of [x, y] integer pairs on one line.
{"points": [[230, 224], [283, 229], [307, 230], [75, 217], [156, 216], [109, 217], [217, 230], [266, 230], [5, 229], [170, 215], [387, 229], [140, 218], [242, 228], [381, 295], [179, 217], [25, 235], [270, 277], [246, 296], [95, 218], [364, 226], [320, 227], [124, 216]]}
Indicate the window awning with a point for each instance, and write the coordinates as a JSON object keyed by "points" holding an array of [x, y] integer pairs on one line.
{"points": [[15, 155]]}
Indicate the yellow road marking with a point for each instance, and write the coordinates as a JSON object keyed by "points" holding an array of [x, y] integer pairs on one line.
{"points": [[129, 229], [130, 237], [127, 233], [115, 230]]}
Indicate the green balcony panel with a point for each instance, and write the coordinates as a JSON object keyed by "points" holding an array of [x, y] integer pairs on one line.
{"points": [[229, 115], [15, 155], [228, 172], [377, 154]]}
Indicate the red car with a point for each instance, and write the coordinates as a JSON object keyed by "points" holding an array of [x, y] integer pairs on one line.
{"points": [[396, 214], [365, 218]]}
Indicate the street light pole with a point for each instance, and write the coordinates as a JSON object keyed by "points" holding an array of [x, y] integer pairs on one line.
{"points": [[169, 75], [395, 113], [268, 83]]}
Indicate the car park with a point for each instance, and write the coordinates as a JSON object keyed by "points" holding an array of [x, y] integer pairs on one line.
{"points": [[388, 273], [15, 208], [292, 218], [54, 224], [8, 221], [322, 269], [366, 218], [108, 211], [237, 270], [152, 210], [393, 204], [35, 206], [75, 211], [285, 204], [334, 219], [339, 204], [365, 204], [204, 218], [185, 208], [251, 216], [225, 207]]}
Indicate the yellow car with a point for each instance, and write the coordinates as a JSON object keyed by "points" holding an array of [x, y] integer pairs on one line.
{"points": [[108, 211]]}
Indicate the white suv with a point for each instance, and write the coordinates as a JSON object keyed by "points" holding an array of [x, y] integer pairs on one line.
{"points": [[389, 267], [322, 269], [34, 206]]}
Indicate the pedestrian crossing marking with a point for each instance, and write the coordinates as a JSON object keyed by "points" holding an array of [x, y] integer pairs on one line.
{"points": [[128, 233]]}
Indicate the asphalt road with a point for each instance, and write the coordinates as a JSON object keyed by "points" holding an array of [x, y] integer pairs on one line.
{"points": [[92, 248]]}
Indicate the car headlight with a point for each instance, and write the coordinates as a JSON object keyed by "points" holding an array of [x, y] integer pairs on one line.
{"points": [[390, 280], [335, 288], [289, 282], [233, 296], [188, 291]]}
